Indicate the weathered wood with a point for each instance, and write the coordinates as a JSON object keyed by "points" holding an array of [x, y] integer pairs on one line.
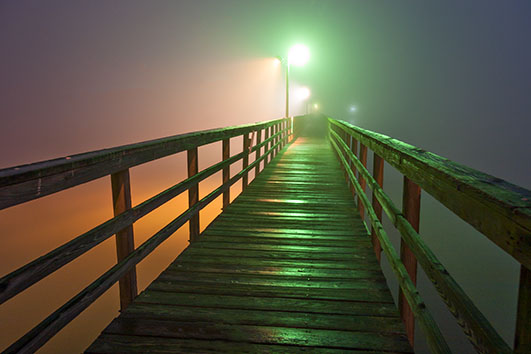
{"points": [[125, 241], [193, 193], [258, 152], [378, 174], [241, 281], [522, 337], [362, 181], [20, 184], [354, 149], [245, 160], [266, 148], [498, 209], [411, 211], [475, 326], [433, 334], [226, 171], [22, 278]]}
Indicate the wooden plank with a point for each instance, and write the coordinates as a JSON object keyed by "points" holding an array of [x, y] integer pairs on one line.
{"points": [[225, 155], [193, 194], [260, 334], [411, 211], [125, 241]]}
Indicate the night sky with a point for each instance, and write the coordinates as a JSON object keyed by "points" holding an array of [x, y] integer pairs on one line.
{"points": [[452, 77]]}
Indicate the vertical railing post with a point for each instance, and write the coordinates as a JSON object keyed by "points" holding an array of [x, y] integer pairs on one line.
{"points": [[378, 174], [125, 242], [258, 151], [363, 159], [274, 153], [266, 147], [522, 337], [354, 149], [245, 160], [411, 211], [193, 193], [226, 171]]}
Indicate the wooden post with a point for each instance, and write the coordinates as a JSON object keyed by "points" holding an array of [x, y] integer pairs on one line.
{"points": [[193, 193], [245, 160], [266, 147], [274, 153], [363, 159], [258, 151], [411, 211], [522, 336], [125, 241], [354, 149], [226, 171], [378, 174]]}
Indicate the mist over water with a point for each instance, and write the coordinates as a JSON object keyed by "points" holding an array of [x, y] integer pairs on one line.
{"points": [[450, 77]]}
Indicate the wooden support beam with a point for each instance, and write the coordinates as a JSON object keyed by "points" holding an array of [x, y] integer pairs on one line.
{"points": [[266, 147], [258, 151], [226, 171], [411, 211], [274, 153], [193, 193], [245, 160], [363, 159], [125, 241], [354, 148], [378, 174], [522, 337]]}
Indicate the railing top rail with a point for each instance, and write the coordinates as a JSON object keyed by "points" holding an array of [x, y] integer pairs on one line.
{"points": [[498, 209], [20, 184]]}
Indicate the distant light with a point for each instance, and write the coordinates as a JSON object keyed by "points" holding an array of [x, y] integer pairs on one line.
{"points": [[276, 62], [303, 93], [315, 106], [298, 55], [353, 109]]}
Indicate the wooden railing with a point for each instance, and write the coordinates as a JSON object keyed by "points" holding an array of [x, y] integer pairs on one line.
{"points": [[499, 210], [28, 182]]}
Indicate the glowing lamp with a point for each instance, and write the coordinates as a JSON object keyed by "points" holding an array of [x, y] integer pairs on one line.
{"points": [[298, 55]]}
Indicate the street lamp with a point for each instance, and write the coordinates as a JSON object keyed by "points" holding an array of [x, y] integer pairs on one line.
{"points": [[298, 55]]}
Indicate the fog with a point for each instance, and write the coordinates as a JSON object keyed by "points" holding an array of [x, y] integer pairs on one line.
{"points": [[450, 77]]}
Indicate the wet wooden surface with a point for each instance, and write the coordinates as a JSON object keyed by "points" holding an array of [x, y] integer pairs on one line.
{"points": [[287, 267]]}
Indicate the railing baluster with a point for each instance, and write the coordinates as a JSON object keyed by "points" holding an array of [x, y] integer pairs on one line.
{"points": [[193, 193], [411, 211], [245, 160], [258, 151], [354, 149], [266, 147], [378, 174], [226, 171], [522, 337], [275, 139], [363, 159], [125, 241]]}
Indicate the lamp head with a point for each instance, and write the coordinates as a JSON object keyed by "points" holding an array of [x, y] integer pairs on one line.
{"points": [[298, 55]]}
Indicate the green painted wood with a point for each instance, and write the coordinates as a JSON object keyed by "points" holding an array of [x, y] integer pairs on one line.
{"points": [[287, 267]]}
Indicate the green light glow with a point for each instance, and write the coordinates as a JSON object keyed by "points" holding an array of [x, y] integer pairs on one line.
{"points": [[298, 55]]}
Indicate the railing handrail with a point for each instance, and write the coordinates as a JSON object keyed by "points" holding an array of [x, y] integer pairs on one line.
{"points": [[23, 183], [276, 136], [498, 209], [494, 197]]}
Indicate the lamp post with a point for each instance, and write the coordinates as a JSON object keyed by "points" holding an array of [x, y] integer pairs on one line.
{"points": [[298, 55]]}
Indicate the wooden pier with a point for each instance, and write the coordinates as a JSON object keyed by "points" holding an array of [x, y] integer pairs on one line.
{"points": [[286, 267], [293, 263]]}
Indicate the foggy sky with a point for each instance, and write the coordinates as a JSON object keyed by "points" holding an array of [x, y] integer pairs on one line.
{"points": [[451, 77]]}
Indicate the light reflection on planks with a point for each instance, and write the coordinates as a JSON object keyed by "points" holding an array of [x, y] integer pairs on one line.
{"points": [[287, 267]]}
